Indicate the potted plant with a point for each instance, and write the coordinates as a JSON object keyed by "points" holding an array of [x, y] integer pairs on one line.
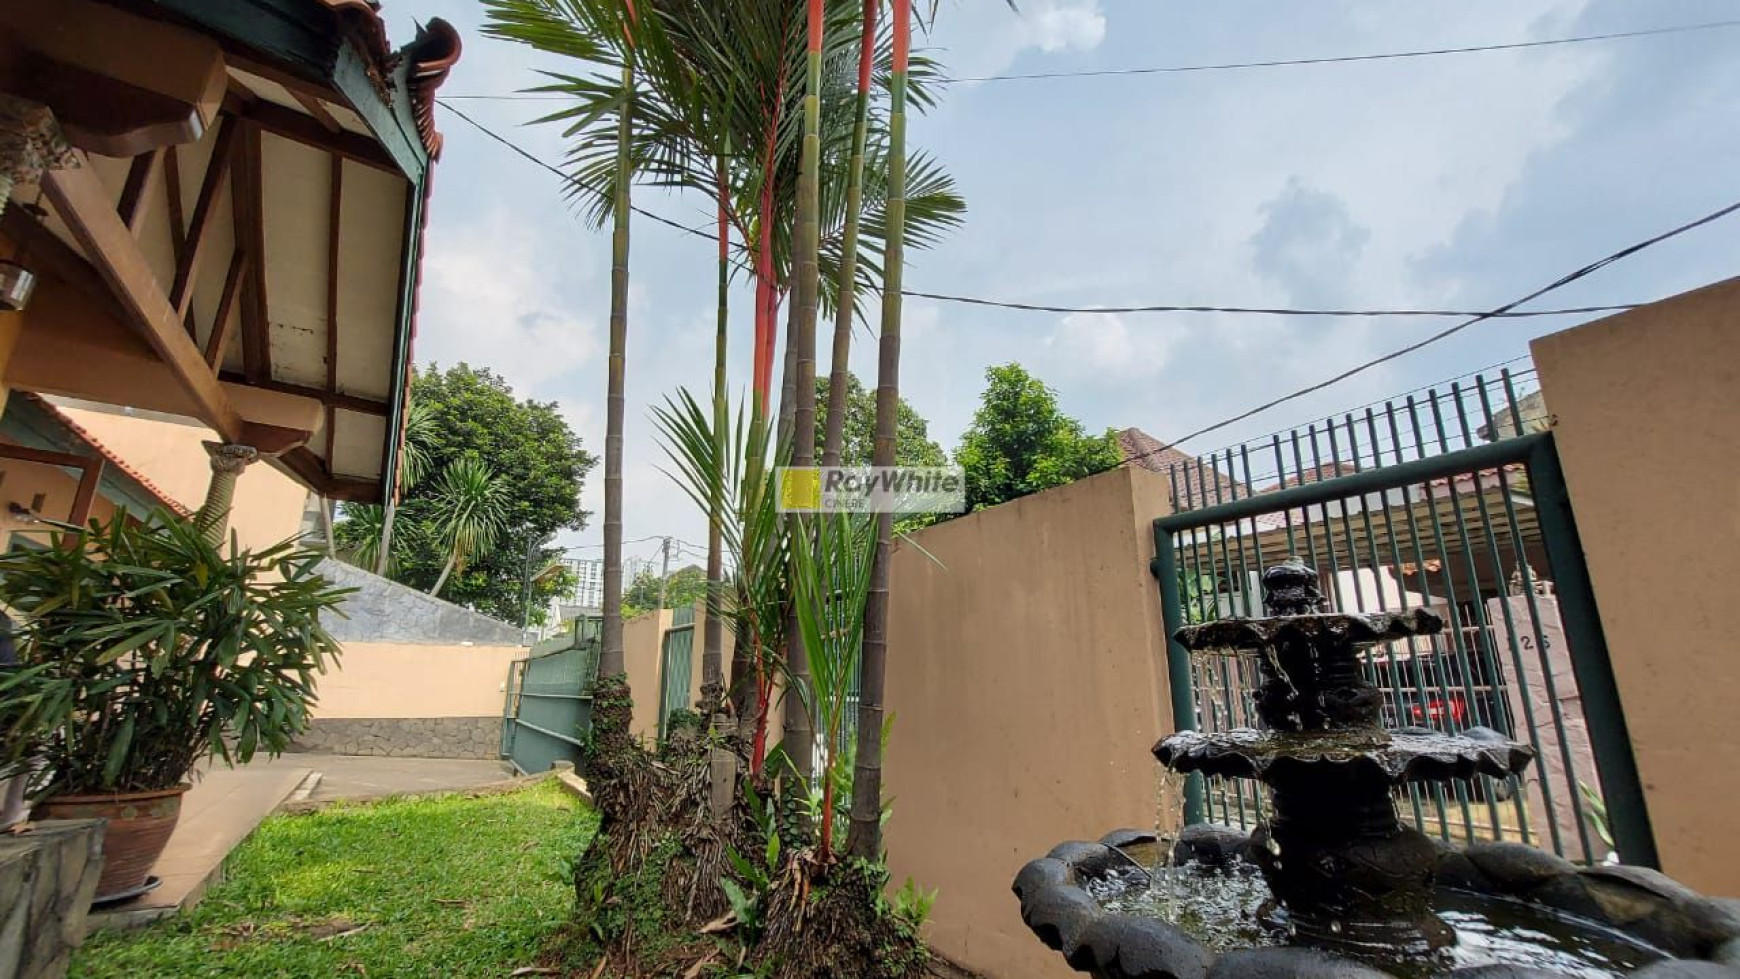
{"points": [[144, 650]]}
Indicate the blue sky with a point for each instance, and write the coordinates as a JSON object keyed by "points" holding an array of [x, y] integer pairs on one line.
{"points": [[1460, 181]]}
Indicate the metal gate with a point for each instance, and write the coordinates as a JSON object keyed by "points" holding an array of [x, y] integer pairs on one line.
{"points": [[676, 665], [1447, 499], [548, 711]]}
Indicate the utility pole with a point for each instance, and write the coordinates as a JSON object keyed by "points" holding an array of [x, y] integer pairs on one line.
{"points": [[664, 570]]}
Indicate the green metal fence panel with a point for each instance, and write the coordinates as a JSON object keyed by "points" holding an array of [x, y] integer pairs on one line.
{"points": [[676, 665], [1450, 499], [549, 707]]}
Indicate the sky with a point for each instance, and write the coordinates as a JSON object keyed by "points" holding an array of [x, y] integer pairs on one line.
{"points": [[1462, 181]]}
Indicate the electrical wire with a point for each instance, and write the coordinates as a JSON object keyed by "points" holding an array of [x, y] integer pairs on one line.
{"points": [[708, 235], [1259, 311], [1556, 284], [1242, 65]]}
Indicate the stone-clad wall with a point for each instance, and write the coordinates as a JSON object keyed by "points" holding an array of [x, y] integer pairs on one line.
{"points": [[47, 879], [405, 737]]}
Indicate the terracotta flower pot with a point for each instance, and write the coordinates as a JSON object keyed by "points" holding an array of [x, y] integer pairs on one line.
{"points": [[139, 827]]}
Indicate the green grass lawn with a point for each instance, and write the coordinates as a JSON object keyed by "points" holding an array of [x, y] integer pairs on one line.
{"points": [[447, 886]]}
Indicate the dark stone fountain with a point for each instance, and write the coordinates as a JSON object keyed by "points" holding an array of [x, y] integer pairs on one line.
{"points": [[1333, 884]]}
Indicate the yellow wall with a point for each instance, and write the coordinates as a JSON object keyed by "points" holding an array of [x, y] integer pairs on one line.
{"points": [[642, 640], [20, 481], [268, 504], [1027, 682], [416, 680], [1647, 407]]}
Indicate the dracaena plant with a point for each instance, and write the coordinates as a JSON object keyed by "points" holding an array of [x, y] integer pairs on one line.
{"points": [[145, 650]]}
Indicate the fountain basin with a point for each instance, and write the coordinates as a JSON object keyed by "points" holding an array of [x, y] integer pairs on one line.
{"points": [[1410, 755], [1519, 913]]}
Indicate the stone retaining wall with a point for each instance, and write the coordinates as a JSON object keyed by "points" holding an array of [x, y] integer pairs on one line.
{"points": [[404, 737], [47, 879]]}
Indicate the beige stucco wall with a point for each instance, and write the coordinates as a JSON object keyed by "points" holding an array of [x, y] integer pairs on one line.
{"points": [[1027, 682], [21, 481], [416, 680], [1647, 407], [268, 504], [641, 638]]}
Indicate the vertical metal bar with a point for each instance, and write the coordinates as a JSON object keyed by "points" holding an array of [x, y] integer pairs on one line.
{"points": [[1226, 685], [1541, 650], [1419, 676], [1178, 673], [1627, 809], [1328, 528], [1383, 604], [1480, 712], [1443, 550]]}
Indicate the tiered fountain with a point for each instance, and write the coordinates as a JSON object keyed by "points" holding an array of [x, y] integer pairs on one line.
{"points": [[1333, 884]]}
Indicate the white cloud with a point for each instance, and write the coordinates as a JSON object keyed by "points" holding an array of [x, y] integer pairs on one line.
{"points": [[1063, 25], [490, 298], [1104, 347]]}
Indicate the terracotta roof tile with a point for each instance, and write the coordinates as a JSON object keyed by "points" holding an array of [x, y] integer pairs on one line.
{"points": [[1198, 479]]}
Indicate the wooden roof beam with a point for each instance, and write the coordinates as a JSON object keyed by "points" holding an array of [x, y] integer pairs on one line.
{"points": [[296, 127], [84, 204], [223, 154]]}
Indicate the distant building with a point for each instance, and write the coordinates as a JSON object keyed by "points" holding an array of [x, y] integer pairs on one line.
{"points": [[588, 582]]}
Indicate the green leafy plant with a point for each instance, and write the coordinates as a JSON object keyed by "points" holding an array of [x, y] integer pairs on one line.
{"points": [[1596, 812], [146, 649], [912, 903]]}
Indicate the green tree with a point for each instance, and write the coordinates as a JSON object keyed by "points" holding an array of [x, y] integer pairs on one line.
{"points": [[858, 428], [532, 452], [1021, 443], [684, 586]]}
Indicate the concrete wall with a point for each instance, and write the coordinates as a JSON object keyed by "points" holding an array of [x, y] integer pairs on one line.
{"points": [[412, 699], [268, 504], [1647, 407], [48, 877], [384, 611], [643, 651], [1027, 682]]}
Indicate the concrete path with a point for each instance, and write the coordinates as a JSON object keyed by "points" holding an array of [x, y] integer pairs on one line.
{"points": [[356, 777], [226, 804]]}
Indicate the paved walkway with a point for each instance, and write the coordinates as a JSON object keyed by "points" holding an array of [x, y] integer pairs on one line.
{"points": [[226, 805]]}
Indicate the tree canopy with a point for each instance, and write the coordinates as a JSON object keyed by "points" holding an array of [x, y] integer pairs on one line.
{"points": [[1021, 443], [470, 423], [913, 447], [684, 586]]}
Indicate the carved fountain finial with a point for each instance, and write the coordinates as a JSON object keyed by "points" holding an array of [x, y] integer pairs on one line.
{"points": [[1290, 588]]}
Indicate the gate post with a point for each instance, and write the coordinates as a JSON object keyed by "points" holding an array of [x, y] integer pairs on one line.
{"points": [[1627, 809], [1165, 568]]}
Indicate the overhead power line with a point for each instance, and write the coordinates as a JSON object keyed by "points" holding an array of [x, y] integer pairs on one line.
{"points": [[708, 235], [1556, 284], [1259, 310], [1351, 58], [1243, 65]]}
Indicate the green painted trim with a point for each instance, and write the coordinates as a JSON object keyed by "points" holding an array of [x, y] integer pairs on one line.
{"points": [[1178, 676], [1479, 457], [1621, 785]]}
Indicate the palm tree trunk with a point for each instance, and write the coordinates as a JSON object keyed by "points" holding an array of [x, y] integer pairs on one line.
{"points": [[610, 660], [721, 761], [833, 439], [800, 735], [446, 570], [384, 557], [865, 837]]}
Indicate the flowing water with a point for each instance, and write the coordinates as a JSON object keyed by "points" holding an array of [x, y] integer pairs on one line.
{"points": [[1223, 911]]}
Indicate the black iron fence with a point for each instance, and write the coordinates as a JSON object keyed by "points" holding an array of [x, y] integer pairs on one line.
{"points": [[1450, 499]]}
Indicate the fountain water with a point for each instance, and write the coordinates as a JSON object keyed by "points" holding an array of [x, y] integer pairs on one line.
{"points": [[1332, 883]]}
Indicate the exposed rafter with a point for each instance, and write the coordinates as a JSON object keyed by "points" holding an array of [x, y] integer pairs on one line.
{"points": [[249, 206], [348, 402], [334, 219], [84, 205], [198, 241], [134, 202], [294, 126], [218, 339]]}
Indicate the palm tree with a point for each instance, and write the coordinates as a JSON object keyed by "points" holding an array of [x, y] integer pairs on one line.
{"points": [[864, 839], [840, 368], [473, 503], [609, 34], [414, 462]]}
